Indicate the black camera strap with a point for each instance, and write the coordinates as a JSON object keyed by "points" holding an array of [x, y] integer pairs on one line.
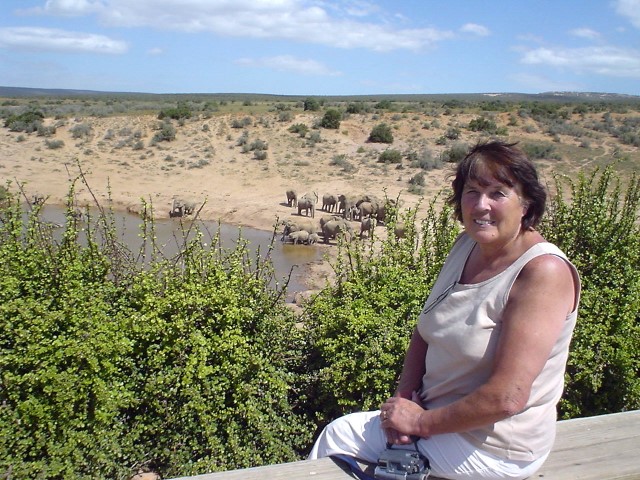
{"points": [[354, 466]]}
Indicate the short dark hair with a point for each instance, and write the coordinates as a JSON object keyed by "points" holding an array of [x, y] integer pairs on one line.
{"points": [[509, 165]]}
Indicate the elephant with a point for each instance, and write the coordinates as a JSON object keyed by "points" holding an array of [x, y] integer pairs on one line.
{"points": [[381, 214], [291, 226], [300, 236], [176, 209], [335, 227], [367, 224], [292, 198], [367, 209], [37, 199], [325, 219], [181, 208], [313, 238], [329, 202], [308, 204], [347, 205], [189, 208]]}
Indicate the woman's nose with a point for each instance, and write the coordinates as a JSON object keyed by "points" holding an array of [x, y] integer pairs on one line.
{"points": [[482, 202]]}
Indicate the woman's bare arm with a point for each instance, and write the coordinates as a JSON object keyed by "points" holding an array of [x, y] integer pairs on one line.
{"points": [[539, 302]]}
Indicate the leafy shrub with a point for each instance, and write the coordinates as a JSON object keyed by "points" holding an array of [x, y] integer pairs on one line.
{"points": [[241, 122], [356, 107], [81, 130], [25, 122], [538, 150], [258, 145], [54, 144], [331, 119], [455, 153], [299, 128], [452, 133], [183, 367], [180, 112], [312, 104], [314, 138], [381, 133], [46, 130], [482, 124], [417, 179], [425, 160], [599, 232], [343, 162], [166, 133], [285, 116], [390, 156]]}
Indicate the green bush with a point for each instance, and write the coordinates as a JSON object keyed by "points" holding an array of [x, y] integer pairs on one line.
{"points": [[81, 130], [180, 112], [299, 128], [390, 156], [482, 124], [331, 119], [381, 133], [312, 105], [455, 153], [184, 367], [166, 133], [54, 144], [343, 163], [27, 122], [536, 151], [600, 233]]}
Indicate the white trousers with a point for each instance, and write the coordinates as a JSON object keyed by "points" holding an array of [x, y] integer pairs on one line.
{"points": [[361, 435]]}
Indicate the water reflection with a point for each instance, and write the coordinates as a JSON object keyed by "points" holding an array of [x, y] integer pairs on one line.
{"points": [[168, 234]]}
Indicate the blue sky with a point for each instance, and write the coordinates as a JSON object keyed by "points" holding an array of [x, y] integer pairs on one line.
{"points": [[318, 47]]}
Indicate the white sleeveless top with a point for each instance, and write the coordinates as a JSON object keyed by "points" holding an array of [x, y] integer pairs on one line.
{"points": [[461, 324]]}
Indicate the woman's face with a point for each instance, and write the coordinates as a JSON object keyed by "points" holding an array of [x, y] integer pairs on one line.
{"points": [[491, 210]]}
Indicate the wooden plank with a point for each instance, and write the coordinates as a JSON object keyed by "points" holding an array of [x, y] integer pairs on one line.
{"points": [[606, 446], [323, 468], [592, 448]]}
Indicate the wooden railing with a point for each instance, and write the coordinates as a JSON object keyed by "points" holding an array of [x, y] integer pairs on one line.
{"points": [[598, 448]]}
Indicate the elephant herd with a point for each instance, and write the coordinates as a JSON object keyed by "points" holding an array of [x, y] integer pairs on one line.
{"points": [[368, 210]]}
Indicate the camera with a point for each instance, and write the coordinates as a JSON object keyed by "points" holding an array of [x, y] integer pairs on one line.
{"points": [[396, 464]]}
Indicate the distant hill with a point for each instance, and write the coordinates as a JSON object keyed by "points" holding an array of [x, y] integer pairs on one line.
{"points": [[20, 92]]}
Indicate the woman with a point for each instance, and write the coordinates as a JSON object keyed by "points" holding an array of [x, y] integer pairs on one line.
{"points": [[485, 366]]}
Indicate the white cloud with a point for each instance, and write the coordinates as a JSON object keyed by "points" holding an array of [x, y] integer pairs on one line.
{"points": [[51, 39], [475, 29], [585, 33], [289, 63], [155, 51], [608, 61], [66, 8], [629, 9], [304, 21]]}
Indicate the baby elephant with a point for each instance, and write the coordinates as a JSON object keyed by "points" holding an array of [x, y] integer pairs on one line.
{"points": [[367, 224], [301, 236], [313, 238]]}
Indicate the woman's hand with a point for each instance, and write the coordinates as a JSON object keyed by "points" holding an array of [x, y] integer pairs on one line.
{"points": [[401, 419]]}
